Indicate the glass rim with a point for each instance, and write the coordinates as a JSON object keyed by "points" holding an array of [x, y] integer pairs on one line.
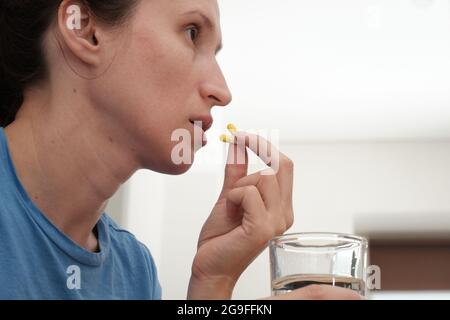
{"points": [[327, 235]]}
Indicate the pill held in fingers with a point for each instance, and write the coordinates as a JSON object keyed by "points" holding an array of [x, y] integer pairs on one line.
{"points": [[227, 139], [232, 128]]}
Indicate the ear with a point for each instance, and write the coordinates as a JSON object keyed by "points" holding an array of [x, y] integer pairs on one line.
{"points": [[78, 31]]}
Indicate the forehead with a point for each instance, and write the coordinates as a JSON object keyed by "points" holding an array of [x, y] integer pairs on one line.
{"points": [[177, 7], [199, 4]]}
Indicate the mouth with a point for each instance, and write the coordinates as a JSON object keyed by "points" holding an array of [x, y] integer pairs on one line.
{"points": [[204, 122]]}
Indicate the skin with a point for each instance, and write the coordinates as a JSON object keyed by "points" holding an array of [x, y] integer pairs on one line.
{"points": [[110, 103]]}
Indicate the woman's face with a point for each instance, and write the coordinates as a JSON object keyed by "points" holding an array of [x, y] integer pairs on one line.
{"points": [[163, 78]]}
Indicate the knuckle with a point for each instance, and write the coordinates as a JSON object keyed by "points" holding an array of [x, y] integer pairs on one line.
{"points": [[280, 230], [280, 223], [290, 219], [287, 164], [265, 178], [251, 189], [289, 222]]}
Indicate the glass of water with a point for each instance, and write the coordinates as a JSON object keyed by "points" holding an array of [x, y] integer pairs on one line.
{"points": [[302, 259]]}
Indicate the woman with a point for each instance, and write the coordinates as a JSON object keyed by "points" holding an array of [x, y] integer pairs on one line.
{"points": [[91, 92]]}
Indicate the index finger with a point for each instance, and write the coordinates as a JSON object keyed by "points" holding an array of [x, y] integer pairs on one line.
{"points": [[271, 156], [235, 169]]}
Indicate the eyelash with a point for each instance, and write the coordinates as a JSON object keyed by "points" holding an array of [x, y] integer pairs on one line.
{"points": [[191, 27]]}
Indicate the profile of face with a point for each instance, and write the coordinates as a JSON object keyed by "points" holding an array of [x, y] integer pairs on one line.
{"points": [[153, 75]]}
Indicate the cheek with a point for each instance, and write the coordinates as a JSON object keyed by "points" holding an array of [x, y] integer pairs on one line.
{"points": [[163, 63], [153, 75], [163, 79], [149, 91]]}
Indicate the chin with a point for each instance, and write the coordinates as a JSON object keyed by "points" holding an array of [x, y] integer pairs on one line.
{"points": [[173, 170], [166, 165], [176, 170], [169, 167]]}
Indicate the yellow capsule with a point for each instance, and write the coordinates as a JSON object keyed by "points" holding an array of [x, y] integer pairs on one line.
{"points": [[226, 139], [232, 128]]}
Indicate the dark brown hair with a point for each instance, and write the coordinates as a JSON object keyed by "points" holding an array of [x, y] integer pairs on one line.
{"points": [[23, 24]]}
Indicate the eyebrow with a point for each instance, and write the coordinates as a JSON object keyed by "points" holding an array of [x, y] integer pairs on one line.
{"points": [[207, 21]]}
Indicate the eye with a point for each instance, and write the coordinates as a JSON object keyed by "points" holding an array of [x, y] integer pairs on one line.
{"points": [[193, 32]]}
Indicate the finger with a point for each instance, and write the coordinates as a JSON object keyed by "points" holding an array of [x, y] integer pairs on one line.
{"points": [[267, 185], [275, 203], [235, 169], [249, 199], [250, 180], [319, 292], [280, 163]]}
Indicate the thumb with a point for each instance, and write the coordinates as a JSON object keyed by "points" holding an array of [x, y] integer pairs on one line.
{"points": [[236, 167]]}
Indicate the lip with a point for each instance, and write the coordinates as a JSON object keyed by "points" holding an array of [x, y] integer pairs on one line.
{"points": [[206, 120]]}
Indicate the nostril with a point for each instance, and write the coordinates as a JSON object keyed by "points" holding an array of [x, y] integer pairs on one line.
{"points": [[214, 98]]}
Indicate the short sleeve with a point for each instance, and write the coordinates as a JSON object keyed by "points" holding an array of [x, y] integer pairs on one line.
{"points": [[156, 286]]}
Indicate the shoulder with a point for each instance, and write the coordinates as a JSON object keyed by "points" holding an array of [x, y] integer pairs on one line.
{"points": [[123, 239], [132, 253]]}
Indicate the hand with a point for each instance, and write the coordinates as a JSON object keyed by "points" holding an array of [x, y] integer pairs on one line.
{"points": [[319, 292], [250, 211]]}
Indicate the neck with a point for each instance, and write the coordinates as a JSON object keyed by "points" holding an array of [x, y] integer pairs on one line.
{"points": [[69, 161]]}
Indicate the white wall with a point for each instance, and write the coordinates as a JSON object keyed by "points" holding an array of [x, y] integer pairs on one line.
{"points": [[339, 70], [335, 185], [319, 71]]}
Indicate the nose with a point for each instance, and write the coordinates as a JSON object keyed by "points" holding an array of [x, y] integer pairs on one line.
{"points": [[214, 88]]}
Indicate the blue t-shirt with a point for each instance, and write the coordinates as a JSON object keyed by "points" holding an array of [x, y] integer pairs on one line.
{"points": [[37, 261]]}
